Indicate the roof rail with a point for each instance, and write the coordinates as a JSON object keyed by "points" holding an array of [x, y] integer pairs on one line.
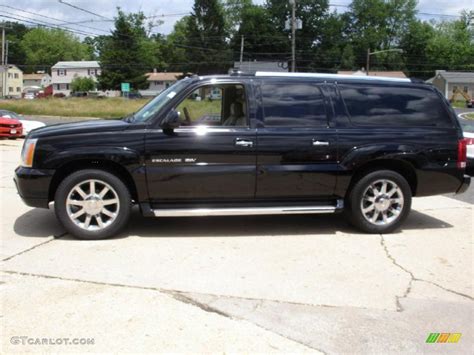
{"points": [[331, 76]]}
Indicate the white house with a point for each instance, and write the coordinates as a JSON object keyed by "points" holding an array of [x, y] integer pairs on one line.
{"points": [[449, 82], [34, 83], [157, 82], [63, 73]]}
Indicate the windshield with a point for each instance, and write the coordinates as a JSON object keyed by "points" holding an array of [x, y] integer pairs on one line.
{"points": [[154, 106]]}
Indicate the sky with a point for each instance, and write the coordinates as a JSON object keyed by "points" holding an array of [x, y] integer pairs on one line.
{"points": [[169, 11]]}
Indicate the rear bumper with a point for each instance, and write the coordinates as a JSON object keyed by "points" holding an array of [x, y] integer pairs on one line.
{"points": [[465, 184], [33, 185]]}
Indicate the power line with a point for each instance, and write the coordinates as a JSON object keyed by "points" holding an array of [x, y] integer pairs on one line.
{"points": [[82, 9]]}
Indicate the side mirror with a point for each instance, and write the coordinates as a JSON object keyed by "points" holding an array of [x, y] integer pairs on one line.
{"points": [[171, 121]]}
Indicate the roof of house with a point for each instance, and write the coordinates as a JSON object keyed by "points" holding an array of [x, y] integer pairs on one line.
{"points": [[34, 76], [252, 67], [386, 74], [455, 76], [163, 76], [76, 65]]}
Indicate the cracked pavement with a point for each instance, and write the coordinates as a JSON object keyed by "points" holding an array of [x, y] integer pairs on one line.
{"points": [[237, 284]]}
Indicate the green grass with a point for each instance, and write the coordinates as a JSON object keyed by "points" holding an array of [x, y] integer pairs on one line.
{"points": [[459, 104], [469, 116], [75, 107], [197, 109]]}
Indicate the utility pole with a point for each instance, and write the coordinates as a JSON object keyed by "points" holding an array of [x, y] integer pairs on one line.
{"points": [[4, 73], [293, 32], [241, 51]]}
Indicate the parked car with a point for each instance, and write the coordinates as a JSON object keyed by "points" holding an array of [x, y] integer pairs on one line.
{"points": [[469, 152], [470, 103], [28, 125], [10, 128], [286, 144], [29, 96]]}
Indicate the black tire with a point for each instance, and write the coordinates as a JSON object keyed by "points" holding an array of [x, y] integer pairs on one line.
{"points": [[355, 197], [118, 188]]}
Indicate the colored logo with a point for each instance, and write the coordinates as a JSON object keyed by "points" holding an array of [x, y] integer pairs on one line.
{"points": [[443, 338]]}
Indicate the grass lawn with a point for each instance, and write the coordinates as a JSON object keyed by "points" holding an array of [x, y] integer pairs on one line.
{"points": [[459, 104], [75, 107]]}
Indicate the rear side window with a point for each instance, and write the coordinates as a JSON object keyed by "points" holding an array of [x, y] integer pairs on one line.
{"points": [[293, 105], [394, 106]]}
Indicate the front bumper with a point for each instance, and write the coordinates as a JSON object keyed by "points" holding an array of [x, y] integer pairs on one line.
{"points": [[465, 184], [33, 185]]}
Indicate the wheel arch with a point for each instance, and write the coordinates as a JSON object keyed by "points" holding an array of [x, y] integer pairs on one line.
{"points": [[402, 167], [100, 164]]}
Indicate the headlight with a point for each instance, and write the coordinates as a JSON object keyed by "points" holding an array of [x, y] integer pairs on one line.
{"points": [[28, 153]]}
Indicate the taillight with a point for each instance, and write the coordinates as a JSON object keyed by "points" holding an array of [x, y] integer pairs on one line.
{"points": [[462, 153]]}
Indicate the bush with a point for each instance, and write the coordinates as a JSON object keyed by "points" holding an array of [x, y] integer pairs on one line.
{"points": [[83, 84]]}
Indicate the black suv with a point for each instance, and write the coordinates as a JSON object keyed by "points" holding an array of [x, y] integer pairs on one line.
{"points": [[269, 143]]}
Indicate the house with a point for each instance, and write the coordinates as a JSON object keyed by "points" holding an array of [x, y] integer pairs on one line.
{"points": [[157, 82], [11, 83], [450, 81], [387, 74], [63, 73], [253, 66], [37, 80]]}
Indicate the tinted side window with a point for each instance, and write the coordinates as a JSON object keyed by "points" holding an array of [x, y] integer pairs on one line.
{"points": [[394, 106], [293, 105]]}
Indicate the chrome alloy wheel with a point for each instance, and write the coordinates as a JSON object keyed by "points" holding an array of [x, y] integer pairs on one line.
{"points": [[92, 205], [382, 202]]}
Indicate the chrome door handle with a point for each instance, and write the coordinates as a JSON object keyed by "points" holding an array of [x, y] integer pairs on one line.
{"points": [[320, 143], [243, 143]]}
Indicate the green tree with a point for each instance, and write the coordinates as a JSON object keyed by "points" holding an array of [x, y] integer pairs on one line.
{"points": [[379, 25], [83, 84], [347, 58], [415, 49], [127, 54], [206, 39], [261, 39], [15, 33], [172, 48], [313, 14], [45, 47]]}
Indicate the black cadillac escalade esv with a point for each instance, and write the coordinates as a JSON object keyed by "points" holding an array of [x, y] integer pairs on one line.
{"points": [[269, 143]]}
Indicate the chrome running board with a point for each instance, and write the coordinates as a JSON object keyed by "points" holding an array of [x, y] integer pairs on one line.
{"points": [[242, 211]]}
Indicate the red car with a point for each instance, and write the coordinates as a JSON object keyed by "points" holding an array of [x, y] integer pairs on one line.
{"points": [[10, 128]]}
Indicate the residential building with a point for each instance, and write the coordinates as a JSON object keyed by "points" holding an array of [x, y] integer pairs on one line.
{"points": [[450, 81], [11, 83], [36, 80], [63, 73], [159, 81], [254, 66], [362, 72]]}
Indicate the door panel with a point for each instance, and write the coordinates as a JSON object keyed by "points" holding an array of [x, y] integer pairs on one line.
{"points": [[298, 160], [200, 163]]}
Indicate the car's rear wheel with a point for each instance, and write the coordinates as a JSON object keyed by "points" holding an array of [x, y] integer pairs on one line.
{"points": [[379, 202], [92, 204]]}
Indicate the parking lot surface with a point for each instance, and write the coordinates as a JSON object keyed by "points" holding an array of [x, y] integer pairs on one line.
{"points": [[297, 283]]}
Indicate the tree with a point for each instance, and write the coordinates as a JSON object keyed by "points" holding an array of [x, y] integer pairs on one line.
{"points": [[206, 38], [347, 58], [45, 47], [173, 52], [127, 54], [261, 39], [15, 33], [83, 84], [313, 14], [379, 25], [414, 44]]}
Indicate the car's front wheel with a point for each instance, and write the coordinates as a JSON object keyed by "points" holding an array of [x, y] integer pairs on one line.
{"points": [[92, 204], [379, 202]]}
